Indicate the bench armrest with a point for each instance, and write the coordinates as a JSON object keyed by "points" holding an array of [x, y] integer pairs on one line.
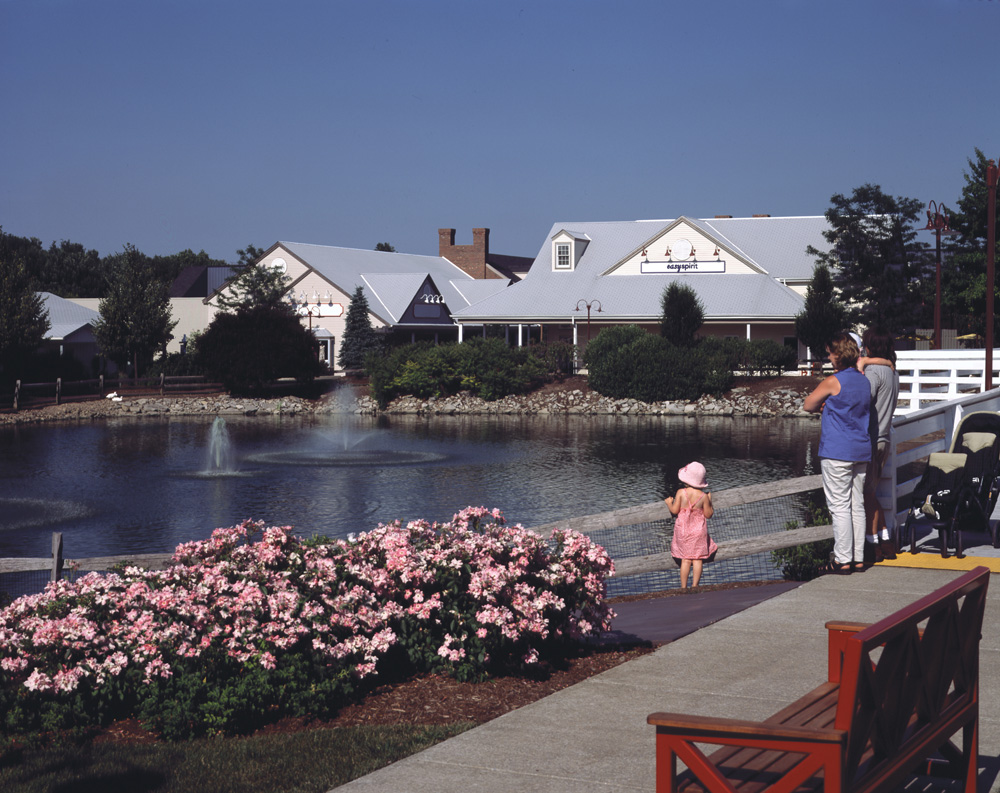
{"points": [[707, 728], [838, 633]]}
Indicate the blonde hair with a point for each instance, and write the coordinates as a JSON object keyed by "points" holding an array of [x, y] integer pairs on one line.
{"points": [[846, 350]]}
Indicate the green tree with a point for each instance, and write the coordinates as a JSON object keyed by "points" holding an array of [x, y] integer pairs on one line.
{"points": [[683, 314], [823, 316], [135, 312], [23, 318], [385, 246], [360, 337], [872, 240], [254, 285], [255, 346], [964, 278]]}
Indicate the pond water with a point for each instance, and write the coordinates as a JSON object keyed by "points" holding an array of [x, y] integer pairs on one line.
{"points": [[143, 486]]}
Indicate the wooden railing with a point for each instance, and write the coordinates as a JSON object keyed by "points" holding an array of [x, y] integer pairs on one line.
{"points": [[915, 435], [927, 377], [80, 390]]}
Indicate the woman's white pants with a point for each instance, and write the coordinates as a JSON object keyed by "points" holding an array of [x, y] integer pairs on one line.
{"points": [[844, 486]]}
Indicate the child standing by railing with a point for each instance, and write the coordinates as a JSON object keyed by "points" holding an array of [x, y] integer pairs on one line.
{"points": [[691, 544]]}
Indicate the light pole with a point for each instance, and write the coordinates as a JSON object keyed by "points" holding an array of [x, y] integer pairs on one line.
{"points": [[588, 304], [991, 244], [937, 221]]}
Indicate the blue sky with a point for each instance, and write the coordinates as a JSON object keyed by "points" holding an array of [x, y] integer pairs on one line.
{"points": [[210, 124]]}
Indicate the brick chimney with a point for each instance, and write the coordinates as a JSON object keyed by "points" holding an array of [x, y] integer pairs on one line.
{"points": [[470, 258], [762, 216]]}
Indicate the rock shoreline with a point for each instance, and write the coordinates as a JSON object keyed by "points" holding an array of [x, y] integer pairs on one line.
{"points": [[781, 402]]}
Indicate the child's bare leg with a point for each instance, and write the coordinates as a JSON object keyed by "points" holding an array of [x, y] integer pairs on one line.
{"points": [[697, 572], [685, 570]]}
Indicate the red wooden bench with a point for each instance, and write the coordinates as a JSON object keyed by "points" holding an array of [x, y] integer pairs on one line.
{"points": [[897, 692]]}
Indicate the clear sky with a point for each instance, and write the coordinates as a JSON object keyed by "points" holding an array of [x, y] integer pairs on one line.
{"points": [[210, 124]]}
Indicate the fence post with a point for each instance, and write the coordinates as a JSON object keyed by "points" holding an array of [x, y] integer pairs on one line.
{"points": [[57, 556], [163, 377], [58, 390], [17, 393], [100, 385]]}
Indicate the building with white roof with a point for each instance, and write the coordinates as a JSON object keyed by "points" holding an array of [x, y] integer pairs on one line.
{"points": [[750, 274], [413, 295], [71, 328]]}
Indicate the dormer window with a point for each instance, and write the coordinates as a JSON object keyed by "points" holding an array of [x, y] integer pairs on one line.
{"points": [[563, 260], [567, 248]]}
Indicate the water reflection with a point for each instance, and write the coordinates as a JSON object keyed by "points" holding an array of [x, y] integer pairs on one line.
{"points": [[128, 486]]}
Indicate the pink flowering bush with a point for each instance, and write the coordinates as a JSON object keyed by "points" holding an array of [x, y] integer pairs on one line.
{"points": [[255, 623]]}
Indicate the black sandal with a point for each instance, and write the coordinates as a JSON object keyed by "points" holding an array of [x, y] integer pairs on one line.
{"points": [[859, 567], [833, 568]]}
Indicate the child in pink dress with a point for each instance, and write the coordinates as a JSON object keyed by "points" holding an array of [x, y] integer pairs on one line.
{"points": [[693, 507]]}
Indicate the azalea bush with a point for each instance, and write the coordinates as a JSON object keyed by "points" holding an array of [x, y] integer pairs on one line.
{"points": [[255, 623]]}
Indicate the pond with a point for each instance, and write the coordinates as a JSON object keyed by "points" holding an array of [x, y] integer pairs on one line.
{"points": [[145, 485]]}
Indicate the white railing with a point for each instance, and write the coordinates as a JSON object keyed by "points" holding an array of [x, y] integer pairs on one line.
{"points": [[927, 377], [918, 434]]}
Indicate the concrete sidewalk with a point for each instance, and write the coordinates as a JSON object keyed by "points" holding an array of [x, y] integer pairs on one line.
{"points": [[593, 736]]}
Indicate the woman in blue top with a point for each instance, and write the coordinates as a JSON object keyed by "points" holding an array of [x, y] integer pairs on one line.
{"points": [[845, 450]]}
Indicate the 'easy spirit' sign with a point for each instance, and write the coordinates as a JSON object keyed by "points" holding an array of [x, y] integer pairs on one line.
{"points": [[718, 266]]}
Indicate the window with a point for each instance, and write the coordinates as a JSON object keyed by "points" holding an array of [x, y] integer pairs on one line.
{"points": [[563, 261]]}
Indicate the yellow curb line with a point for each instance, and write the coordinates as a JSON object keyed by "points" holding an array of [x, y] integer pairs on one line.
{"points": [[933, 561]]}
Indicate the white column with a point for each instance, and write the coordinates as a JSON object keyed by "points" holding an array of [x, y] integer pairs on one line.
{"points": [[748, 331], [520, 337], [461, 328]]}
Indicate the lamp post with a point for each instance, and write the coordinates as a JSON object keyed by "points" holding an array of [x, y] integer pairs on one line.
{"points": [[937, 221], [991, 243], [588, 304]]}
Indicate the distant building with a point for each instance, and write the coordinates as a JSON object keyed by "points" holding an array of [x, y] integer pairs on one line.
{"points": [[71, 329], [750, 274], [409, 295]]}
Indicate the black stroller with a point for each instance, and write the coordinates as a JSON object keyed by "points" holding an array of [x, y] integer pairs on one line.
{"points": [[959, 485]]}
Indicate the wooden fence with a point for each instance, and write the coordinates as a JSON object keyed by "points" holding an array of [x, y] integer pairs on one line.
{"points": [[929, 377], [38, 394], [733, 549]]}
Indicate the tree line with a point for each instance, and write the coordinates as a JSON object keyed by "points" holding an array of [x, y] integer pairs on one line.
{"points": [[877, 274]]}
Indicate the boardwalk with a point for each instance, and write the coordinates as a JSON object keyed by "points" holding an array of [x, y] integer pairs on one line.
{"points": [[593, 736]]}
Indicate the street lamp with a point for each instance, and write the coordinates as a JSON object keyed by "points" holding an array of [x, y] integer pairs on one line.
{"points": [[588, 304], [991, 244], [937, 221]]}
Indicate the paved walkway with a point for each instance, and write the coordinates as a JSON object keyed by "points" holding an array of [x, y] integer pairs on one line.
{"points": [[743, 657]]}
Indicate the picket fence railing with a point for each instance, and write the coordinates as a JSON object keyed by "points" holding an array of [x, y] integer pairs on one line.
{"points": [[927, 377]]}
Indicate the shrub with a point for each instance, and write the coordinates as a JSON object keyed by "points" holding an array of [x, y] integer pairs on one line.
{"points": [[625, 362], [802, 562], [488, 368], [247, 350], [255, 624]]}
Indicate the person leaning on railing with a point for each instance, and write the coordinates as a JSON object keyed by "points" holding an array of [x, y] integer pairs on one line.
{"points": [[844, 451]]}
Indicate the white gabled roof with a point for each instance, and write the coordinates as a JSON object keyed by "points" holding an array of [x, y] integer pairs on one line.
{"points": [[776, 246], [389, 280], [66, 317]]}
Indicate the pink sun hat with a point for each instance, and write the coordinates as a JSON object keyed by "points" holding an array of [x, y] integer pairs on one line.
{"points": [[693, 474]]}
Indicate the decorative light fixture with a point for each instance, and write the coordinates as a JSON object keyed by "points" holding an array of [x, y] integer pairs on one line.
{"points": [[937, 221], [716, 252], [589, 303], [667, 252]]}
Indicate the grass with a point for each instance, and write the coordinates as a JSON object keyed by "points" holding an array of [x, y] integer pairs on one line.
{"points": [[311, 761]]}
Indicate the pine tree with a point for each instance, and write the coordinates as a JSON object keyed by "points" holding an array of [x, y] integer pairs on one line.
{"points": [[823, 316], [359, 335], [683, 314], [872, 240], [135, 313]]}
